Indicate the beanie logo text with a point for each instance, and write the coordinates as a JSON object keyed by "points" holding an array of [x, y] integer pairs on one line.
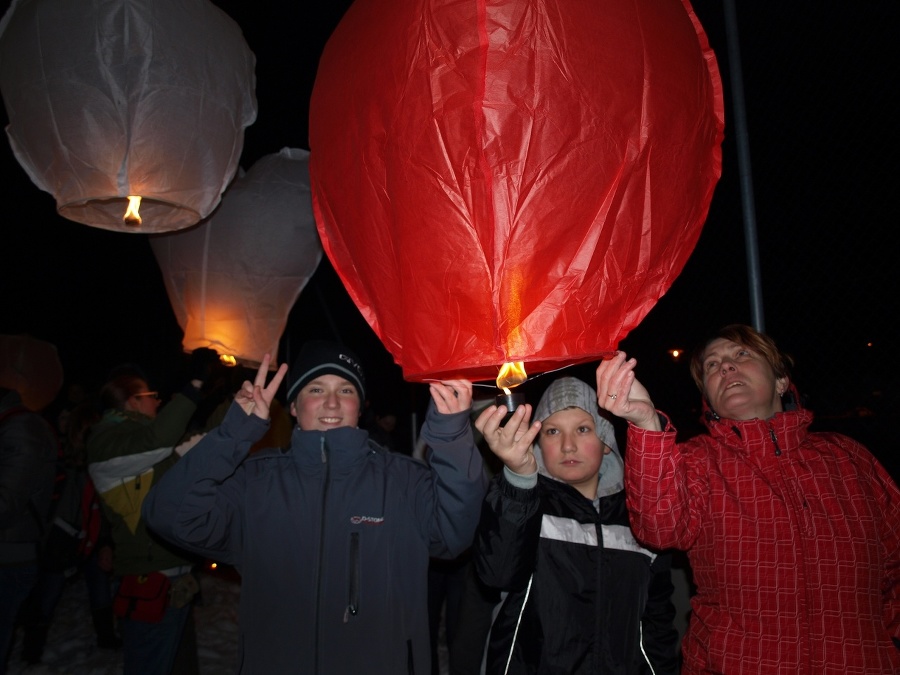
{"points": [[350, 362]]}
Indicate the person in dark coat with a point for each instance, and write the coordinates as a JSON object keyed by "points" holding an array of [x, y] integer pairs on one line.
{"points": [[582, 595], [28, 450], [331, 535]]}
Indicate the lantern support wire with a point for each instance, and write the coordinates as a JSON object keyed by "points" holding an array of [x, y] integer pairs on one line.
{"points": [[490, 385], [746, 179]]}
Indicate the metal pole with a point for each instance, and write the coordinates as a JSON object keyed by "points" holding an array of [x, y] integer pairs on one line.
{"points": [[743, 151]]}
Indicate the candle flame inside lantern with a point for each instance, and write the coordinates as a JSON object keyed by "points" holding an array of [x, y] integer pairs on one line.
{"points": [[132, 213], [228, 360], [512, 374]]}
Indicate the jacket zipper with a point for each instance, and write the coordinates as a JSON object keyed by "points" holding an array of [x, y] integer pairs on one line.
{"points": [[353, 602], [803, 524], [775, 442], [319, 585]]}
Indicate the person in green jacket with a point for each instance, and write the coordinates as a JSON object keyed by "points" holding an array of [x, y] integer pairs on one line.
{"points": [[129, 450]]}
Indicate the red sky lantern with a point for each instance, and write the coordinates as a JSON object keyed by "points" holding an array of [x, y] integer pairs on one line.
{"points": [[503, 181], [233, 279], [139, 104]]}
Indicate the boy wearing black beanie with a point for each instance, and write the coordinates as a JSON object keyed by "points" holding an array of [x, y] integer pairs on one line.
{"points": [[332, 535]]}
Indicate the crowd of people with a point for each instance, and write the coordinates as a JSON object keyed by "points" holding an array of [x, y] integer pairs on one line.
{"points": [[351, 548]]}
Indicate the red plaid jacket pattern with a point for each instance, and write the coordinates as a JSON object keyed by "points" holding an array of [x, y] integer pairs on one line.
{"points": [[793, 539]]}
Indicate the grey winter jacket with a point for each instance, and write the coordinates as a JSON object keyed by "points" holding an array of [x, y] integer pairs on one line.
{"points": [[331, 537]]}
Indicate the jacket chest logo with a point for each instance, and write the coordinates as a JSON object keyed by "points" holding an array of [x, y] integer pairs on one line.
{"points": [[367, 520]]}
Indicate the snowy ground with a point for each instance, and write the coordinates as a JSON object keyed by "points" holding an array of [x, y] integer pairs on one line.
{"points": [[71, 647]]}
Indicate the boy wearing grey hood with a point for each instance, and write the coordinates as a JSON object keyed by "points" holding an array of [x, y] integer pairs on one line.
{"points": [[582, 594]]}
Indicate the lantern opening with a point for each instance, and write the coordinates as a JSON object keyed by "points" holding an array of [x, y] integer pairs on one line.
{"points": [[512, 374], [132, 213]]}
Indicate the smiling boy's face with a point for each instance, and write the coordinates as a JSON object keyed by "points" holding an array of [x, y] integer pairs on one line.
{"points": [[571, 449], [327, 402]]}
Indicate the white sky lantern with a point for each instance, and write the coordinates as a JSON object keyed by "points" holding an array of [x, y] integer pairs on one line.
{"points": [[233, 279], [119, 103]]}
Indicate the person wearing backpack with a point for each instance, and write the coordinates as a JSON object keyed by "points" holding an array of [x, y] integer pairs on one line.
{"points": [[137, 441], [77, 544], [28, 449]]}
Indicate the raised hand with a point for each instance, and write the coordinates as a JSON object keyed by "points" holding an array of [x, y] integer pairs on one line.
{"points": [[451, 396], [620, 392], [512, 442], [257, 397]]}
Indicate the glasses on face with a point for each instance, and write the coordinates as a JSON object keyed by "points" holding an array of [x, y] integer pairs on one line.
{"points": [[152, 394]]}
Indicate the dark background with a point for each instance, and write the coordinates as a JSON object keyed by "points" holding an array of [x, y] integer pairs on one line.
{"points": [[818, 81]]}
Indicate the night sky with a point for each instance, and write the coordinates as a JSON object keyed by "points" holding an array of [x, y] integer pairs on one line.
{"points": [[821, 121]]}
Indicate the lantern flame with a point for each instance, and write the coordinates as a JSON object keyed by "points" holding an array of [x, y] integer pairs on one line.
{"points": [[132, 213], [512, 374], [228, 360]]}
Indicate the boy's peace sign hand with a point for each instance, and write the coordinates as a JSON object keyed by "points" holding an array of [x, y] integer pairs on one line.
{"points": [[257, 397]]}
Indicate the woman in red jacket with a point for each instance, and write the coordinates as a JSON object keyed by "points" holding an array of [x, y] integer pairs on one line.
{"points": [[793, 537]]}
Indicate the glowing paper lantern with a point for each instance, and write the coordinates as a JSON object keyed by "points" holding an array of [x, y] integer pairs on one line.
{"points": [[233, 279], [110, 100], [31, 367], [512, 180]]}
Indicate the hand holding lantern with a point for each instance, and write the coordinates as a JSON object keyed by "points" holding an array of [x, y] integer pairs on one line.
{"points": [[510, 440]]}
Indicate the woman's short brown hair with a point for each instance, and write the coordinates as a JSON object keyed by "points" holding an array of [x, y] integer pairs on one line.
{"points": [[119, 389], [747, 336]]}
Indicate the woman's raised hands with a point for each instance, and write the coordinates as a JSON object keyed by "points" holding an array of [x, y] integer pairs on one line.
{"points": [[620, 392]]}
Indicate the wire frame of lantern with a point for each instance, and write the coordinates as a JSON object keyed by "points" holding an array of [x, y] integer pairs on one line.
{"points": [[114, 104], [234, 278], [512, 182]]}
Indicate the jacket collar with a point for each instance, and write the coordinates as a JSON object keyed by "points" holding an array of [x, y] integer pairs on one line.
{"points": [[342, 448], [790, 428]]}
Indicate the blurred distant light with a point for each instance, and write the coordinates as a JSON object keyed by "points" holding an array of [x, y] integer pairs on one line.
{"points": [[676, 354]]}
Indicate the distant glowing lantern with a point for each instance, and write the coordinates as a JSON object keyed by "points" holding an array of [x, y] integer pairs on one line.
{"points": [[31, 367], [233, 279], [131, 114], [512, 181]]}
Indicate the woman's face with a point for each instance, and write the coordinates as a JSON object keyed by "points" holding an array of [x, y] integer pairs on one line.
{"points": [[144, 401], [739, 383], [571, 449]]}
